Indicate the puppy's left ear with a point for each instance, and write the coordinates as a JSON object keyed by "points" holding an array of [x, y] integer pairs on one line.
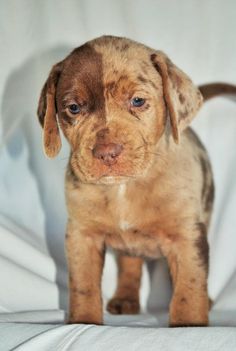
{"points": [[47, 113], [182, 97]]}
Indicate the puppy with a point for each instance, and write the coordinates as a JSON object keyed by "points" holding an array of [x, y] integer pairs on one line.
{"points": [[138, 179]]}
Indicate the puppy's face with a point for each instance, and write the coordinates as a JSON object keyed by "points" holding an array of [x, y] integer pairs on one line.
{"points": [[111, 110], [111, 106]]}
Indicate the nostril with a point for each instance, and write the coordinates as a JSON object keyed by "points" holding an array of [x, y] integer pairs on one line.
{"points": [[107, 153]]}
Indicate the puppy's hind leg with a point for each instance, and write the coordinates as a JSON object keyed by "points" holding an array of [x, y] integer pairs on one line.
{"points": [[126, 297]]}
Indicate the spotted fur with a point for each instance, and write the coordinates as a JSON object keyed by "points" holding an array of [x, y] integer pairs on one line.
{"points": [[154, 199]]}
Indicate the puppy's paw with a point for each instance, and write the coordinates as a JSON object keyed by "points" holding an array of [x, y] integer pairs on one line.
{"points": [[123, 306], [84, 320]]}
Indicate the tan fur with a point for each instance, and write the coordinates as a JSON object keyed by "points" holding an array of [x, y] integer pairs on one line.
{"points": [[155, 200], [126, 297]]}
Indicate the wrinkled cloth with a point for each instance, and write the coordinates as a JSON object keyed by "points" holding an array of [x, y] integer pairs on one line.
{"points": [[200, 38]]}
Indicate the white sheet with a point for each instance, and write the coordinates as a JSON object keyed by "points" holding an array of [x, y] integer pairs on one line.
{"points": [[44, 330], [72, 337], [200, 38]]}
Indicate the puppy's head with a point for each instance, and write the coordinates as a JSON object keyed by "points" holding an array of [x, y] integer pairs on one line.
{"points": [[111, 98]]}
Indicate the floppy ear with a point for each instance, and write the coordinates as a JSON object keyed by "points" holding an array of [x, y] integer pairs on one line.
{"points": [[182, 97], [47, 113]]}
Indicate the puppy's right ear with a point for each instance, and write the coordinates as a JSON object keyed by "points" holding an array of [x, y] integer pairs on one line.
{"points": [[47, 113]]}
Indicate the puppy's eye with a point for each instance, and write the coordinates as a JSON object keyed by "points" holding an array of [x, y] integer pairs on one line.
{"points": [[74, 109], [137, 102]]}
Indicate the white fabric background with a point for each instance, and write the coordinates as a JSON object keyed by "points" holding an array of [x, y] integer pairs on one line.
{"points": [[199, 36]]}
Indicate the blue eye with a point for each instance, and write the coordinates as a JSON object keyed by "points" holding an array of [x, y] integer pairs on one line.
{"points": [[74, 109], [137, 102]]}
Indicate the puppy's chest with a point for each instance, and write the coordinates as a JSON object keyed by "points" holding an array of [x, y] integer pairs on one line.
{"points": [[135, 228], [125, 214]]}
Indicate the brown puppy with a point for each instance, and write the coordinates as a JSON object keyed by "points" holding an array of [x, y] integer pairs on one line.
{"points": [[133, 182]]}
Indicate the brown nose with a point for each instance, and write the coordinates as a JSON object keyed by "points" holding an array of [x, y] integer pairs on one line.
{"points": [[107, 153]]}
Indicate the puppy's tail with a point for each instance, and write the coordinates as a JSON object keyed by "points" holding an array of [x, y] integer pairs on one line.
{"points": [[212, 90]]}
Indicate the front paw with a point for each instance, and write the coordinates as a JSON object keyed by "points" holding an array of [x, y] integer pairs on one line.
{"points": [[84, 319], [192, 314], [180, 323], [123, 306]]}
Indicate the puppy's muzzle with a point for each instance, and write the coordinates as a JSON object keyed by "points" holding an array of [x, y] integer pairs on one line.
{"points": [[107, 153]]}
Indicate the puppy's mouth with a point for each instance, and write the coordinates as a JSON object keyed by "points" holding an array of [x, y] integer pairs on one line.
{"points": [[110, 163], [97, 172], [110, 179], [109, 173]]}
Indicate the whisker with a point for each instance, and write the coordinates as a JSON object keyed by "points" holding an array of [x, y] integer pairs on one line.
{"points": [[139, 147]]}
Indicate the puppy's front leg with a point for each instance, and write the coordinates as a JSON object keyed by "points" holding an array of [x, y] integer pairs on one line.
{"points": [[85, 257], [188, 262]]}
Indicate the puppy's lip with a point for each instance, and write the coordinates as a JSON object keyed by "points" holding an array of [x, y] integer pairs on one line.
{"points": [[108, 179]]}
